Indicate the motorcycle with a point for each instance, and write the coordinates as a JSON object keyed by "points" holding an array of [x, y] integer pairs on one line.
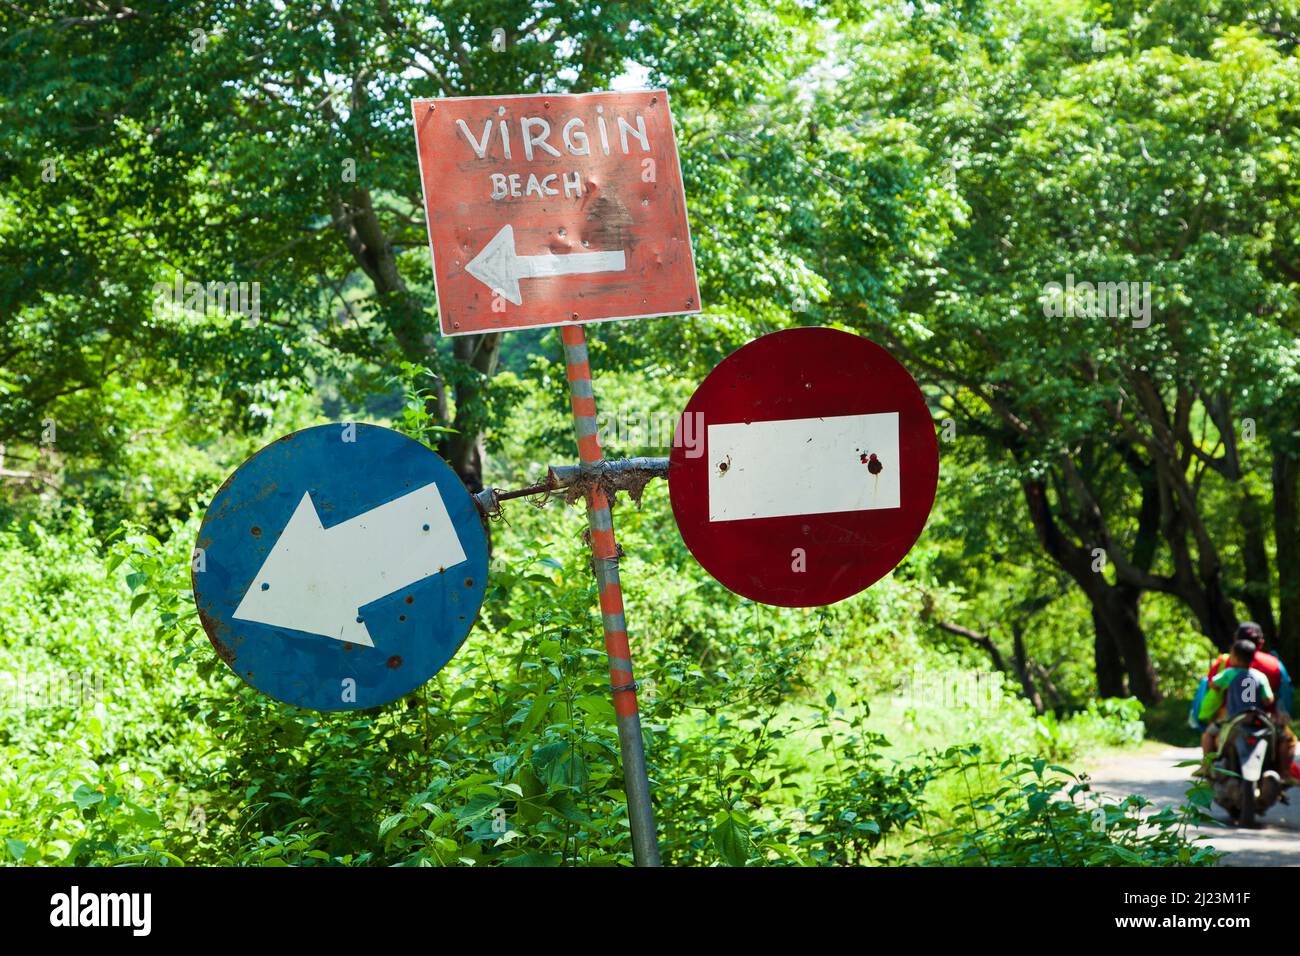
{"points": [[1242, 775]]}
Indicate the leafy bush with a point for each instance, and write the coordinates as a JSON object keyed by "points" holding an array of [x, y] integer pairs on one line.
{"points": [[1027, 812], [509, 756]]}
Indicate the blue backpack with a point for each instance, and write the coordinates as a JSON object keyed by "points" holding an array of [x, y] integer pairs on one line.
{"points": [[1193, 719]]}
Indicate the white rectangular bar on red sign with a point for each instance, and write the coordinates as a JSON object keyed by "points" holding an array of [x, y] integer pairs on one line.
{"points": [[554, 209], [802, 466]]}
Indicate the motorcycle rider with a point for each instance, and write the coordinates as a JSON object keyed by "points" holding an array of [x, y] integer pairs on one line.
{"points": [[1215, 707], [1273, 668], [1279, 682]]}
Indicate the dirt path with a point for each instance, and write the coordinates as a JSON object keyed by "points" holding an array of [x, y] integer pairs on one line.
{"points": [[1152, 773]]}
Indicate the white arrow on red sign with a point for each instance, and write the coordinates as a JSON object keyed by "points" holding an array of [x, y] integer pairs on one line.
{"points": [[499, 267]]}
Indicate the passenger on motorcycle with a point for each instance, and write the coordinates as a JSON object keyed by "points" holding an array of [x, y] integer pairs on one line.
{"points": [[1255, 690], [1279, 682], [1273, 668]]}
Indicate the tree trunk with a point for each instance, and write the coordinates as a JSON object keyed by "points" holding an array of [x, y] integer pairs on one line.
{"points": [[1106, 658], [1120, 607], [464, 448], [1044, 678], [1121, 645], [1256, 590], [1286, 532], [1213, 608], [1022, 667], [358, 225]]}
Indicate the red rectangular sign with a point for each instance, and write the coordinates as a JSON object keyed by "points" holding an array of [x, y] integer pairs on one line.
{"points": [[554, 209]]}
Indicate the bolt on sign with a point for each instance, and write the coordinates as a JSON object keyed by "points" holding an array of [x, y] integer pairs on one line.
{"points": [[819, 469], [554, 209], [340, 567]]}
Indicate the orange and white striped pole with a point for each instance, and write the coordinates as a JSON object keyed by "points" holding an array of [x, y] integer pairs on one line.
{"points": [[636, 782]]}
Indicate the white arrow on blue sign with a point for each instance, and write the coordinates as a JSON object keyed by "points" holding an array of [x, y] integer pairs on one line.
{"points": [[340, 567]]}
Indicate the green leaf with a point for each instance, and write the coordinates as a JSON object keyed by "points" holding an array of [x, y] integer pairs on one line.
{"points": [[597, 706], [732, 838], [86, 796], [565, 806]]}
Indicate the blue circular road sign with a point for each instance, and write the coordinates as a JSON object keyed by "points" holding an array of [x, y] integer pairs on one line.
{"points": [[340, 567]]}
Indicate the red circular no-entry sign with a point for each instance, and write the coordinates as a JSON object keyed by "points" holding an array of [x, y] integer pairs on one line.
{"points": [[804, 467]]}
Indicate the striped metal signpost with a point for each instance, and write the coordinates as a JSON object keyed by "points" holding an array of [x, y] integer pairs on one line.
{"points": [[604, 549], [559, 210]]}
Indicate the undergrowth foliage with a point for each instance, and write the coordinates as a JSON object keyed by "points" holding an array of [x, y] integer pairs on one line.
{"points": [[509, 756], [1025, 811]]}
